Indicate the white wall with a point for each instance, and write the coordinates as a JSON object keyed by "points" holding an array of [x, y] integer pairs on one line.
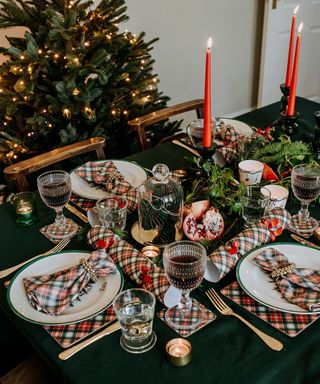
{"points": [[184, 27]]}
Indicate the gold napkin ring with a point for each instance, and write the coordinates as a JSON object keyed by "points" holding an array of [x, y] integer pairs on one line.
{"points": [[87, 267], [282, 271]]}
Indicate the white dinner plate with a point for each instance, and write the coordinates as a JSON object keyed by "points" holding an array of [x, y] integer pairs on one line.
{"points": [[257, 284], [239, 126], [91, 303], [132, 173]]}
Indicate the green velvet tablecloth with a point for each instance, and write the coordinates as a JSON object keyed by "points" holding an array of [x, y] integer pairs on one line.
{"points": [[226, 351]]}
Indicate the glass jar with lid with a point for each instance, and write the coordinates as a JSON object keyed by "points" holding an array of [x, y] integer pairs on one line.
{"points": [[160, 208]]}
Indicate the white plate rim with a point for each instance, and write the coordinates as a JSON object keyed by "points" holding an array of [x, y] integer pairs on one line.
{"points": [[252, 254], [102, 194], [16, 276], [217, 119]]}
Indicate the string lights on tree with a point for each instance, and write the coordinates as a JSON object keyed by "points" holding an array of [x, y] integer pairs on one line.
{"points": [[74, 75]]}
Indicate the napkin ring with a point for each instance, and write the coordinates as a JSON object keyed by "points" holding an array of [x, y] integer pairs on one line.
{"points": [[282, 271], [87, 267]]}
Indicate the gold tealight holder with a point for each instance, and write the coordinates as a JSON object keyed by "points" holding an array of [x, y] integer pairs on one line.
{"points": [[178, 352], [179, 174], [151, 252]]}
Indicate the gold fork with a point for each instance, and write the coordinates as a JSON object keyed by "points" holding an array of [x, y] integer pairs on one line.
{"points": [[223, 308], [59, 247]]}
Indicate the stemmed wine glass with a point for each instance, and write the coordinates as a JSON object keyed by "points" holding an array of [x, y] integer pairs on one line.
{"points": [[305, 184], [55, 190], [184, 264]]}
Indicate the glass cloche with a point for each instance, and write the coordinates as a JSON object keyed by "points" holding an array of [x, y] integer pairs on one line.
{"points": [[160, 208]]}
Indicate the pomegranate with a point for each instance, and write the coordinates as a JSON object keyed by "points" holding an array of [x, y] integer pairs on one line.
{"points": [[203, 222]]}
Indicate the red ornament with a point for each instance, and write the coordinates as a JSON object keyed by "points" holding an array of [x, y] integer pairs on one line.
{"points": [[102, 244], [232, 247], [144, 275]]}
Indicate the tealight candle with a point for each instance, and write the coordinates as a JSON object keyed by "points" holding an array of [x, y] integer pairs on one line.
{"points": [[151, 252], [25, 208], [178, 352]]}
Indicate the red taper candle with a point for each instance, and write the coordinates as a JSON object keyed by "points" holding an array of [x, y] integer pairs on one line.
{"points": [[293, 86], [290, 50], [207, 139]]}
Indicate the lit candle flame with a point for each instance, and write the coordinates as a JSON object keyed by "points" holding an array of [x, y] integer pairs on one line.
{"points": [[300, 27], [209, 44], [296, 10]]}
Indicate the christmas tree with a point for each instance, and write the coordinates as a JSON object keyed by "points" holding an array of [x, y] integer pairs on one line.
{"points": [[72, 76]]}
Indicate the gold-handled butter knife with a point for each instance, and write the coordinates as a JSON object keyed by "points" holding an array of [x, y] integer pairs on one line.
{"points": [[76, 212], [195, 152], [304, 241], [75, 349]]}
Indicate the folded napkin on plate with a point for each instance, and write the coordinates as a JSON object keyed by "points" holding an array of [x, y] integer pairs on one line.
{"points": [[55, 292], [132, 262], [300, 286], [225, 258], [105, 175], [233, 141]]}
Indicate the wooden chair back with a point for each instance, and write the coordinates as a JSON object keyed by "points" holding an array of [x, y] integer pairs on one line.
{"points": [[140, 124], [17, 172]]}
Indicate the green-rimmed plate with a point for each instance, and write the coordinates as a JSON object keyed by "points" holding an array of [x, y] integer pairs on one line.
{"points": [[257, 284], [92, 303]]}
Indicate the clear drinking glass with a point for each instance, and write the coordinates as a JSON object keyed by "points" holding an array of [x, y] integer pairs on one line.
{"points": [[112, 211], [135, 311], [55, 190], [254, 203], [195, 131], [184, 264], [305, 184]]}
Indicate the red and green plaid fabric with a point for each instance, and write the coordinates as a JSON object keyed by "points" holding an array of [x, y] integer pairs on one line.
{"points": [[288, 323], [83, 202], [56, 234], [231, 139], [258, 234], [132, 262], [66, 335], [53, 293], [299, 286], [104, 175], [132, 198], [183, 331], [307, 227]]}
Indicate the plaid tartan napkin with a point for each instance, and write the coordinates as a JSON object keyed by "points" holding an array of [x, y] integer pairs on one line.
{"points": [[231, 139], [300, 286], [53, 293], [289, 323], [69, 334], [225, 258], [104, 175], [132, 262]]}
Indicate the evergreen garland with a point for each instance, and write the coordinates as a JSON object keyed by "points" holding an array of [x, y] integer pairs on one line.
{"points": [[283, 152]]}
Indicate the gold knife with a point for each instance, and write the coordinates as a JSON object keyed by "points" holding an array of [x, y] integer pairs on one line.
{"points": [[75, 349], [304, 241], [195, 152], [76, 212]]}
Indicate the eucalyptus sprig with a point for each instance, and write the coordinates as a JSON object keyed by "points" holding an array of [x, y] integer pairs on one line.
{"points": [[219, 186]]}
